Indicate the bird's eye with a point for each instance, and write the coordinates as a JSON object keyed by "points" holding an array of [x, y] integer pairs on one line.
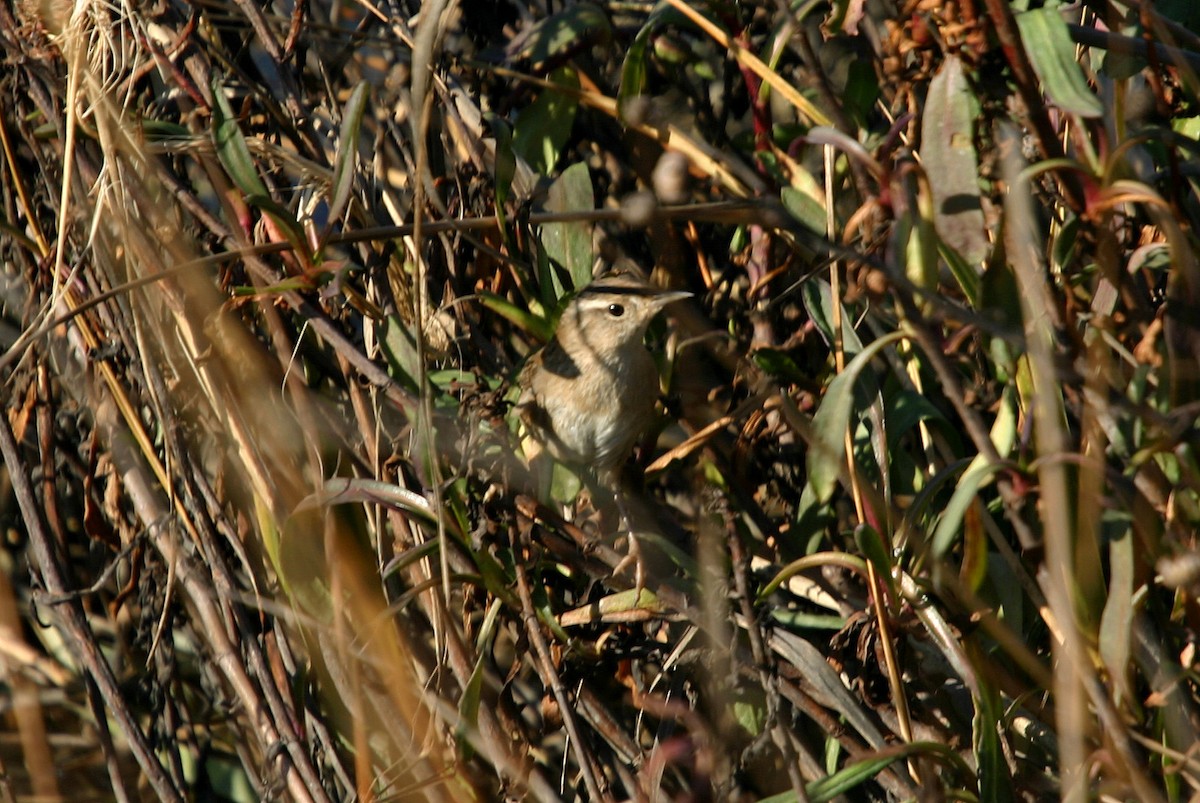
{"points": [[616, 310]]}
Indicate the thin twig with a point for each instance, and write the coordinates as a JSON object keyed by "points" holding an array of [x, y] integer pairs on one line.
{"points": [[83, 645]]}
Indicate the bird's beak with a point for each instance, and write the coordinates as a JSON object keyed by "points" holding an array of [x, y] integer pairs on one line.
{"points": [[663, 299]]}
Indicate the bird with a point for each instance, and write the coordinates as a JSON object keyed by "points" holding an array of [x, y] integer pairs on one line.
{"points": [[588, 395]]}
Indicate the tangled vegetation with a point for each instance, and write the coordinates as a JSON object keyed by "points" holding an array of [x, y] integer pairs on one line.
{"points": [[919, 514]]}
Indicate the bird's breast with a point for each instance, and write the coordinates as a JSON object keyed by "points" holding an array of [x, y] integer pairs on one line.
{"points": [[614, 405]]}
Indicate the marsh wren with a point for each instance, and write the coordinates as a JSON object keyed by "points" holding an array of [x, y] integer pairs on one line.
{"points": [[588, 395]]}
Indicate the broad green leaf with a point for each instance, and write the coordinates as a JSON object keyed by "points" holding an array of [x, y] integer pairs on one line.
{"points": [[965, 274], [1188, 126], [908, 408], [231, 146], [303, 565], [543, 128], [285, 221], [569, 244], [964, 495], [871, 545], [468, 706], [750, 715], [948, 154], [833, 749], [400, 350], [1116, 623], [818, 302], [1184, 12], [410, 556], [347, 150], [798, 620], [914, 234], [973, 569], [862, 90], [915, 515], [855, 774], [165, 131], [226, 777], [565, 484], [778, 364], [1064, 245], [633, 68], [561, 34], [680, 558], [1004, 429], [1000, 300], [536, 325], [551, 291], [804, 208], [995, 782], [506, 163], [827, 454], [1121, 65], [1050, 49]]}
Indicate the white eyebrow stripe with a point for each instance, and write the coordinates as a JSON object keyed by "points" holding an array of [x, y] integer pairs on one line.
{"points": [[597, 302]]}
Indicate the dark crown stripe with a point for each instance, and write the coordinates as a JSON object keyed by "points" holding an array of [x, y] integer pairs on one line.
{"points": [[591, 291]]}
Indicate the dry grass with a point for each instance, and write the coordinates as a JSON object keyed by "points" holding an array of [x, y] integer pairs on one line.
{"points": [[921, 515]]}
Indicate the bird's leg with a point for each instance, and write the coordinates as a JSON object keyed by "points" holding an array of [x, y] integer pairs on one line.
{"points": [[627, 522], [633, 553]]}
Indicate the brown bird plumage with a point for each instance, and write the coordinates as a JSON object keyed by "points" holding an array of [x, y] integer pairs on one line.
{"points": [[588, 395]]}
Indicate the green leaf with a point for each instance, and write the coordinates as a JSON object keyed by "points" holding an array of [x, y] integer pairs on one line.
{"points": [[818, 301], [303, 565], [966, 493], [569, 244], [347, 151], [1052, 53], [862, 90], [1188, 126], [999, 297], [400, 350], [226, 777], [561, 34], [948, 154], [995, 782], [565, 484], [853, 775], [165, 131], [827, 453], [871, 545], [1116, 623], [633, 68], [543, 127], [914, 516], [231, 146], [906, 409], [468, 706], [751, 716], [536, 325], [285, 221], [914, 234], [965, 274], [804, 208], [778, 364], [506, 161]]}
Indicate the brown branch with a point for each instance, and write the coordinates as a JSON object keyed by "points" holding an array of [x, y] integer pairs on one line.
{"points": [[74, 624]]}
